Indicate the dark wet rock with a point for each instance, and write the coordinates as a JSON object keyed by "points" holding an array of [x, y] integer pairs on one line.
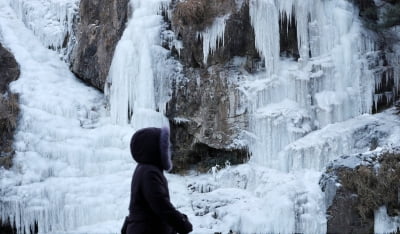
{"points": [[238, 38], [9, 107], [206, 115], [9, 69], [100, 28]]}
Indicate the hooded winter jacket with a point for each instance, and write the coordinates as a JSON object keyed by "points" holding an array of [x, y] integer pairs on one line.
{"points": [[150, 209]]}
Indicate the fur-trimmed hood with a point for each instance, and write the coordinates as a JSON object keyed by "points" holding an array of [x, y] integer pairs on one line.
{"points": [[152, 146]]}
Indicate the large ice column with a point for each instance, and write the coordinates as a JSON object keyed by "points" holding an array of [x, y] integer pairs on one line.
{"points": [[52, 21], [136, 68], [330, 82]]}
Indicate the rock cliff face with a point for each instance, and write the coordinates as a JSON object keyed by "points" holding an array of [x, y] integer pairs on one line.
{"points": [[357, 186], [100, 28], [9, 109], [206, 110]]}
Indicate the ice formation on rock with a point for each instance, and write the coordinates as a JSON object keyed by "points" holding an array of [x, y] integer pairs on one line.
{"points": [[52, 21], [330, 82], [72, 167], [213, 36], [139, 64]]}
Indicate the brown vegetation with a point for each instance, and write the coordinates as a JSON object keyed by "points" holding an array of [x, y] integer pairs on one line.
{"points": [[199, 13], [375, 188], [190, 12]]}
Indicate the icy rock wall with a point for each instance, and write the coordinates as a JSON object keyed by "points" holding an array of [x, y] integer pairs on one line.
{"points": [[52, 21], [216, 47], [331, 82], [387, 73], [138, 81]]}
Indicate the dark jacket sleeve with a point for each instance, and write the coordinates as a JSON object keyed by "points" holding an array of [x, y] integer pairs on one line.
{"points": [[124, 226], [157, 195]]}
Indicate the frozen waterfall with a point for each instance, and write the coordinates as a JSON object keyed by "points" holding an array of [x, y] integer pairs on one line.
{"points": [[138, 65], [72, 168], [51, 21], [330, 82]]}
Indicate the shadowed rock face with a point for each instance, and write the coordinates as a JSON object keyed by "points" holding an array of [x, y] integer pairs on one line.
{"points": [[239, 35], [205, 119], [101, 26], [9, 108], [207, 99]]}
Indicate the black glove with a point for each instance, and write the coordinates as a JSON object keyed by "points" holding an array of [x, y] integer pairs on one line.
{"points": [[188, 226]]}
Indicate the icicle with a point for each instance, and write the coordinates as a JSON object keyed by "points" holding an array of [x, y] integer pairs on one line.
{"points": [[265, 20], [213, 36]]}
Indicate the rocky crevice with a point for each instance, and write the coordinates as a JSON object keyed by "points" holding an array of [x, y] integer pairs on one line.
{"points": [[206, 98]]}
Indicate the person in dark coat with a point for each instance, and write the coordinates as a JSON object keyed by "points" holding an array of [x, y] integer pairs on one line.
{"points": [[150, 209]]}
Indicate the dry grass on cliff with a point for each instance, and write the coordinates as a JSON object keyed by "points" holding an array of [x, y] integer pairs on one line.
{"points": [[199, 13], [375, 189], [191, 12]]}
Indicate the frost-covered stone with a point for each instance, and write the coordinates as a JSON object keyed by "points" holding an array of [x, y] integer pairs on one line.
{"points": [[361, 192]]}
